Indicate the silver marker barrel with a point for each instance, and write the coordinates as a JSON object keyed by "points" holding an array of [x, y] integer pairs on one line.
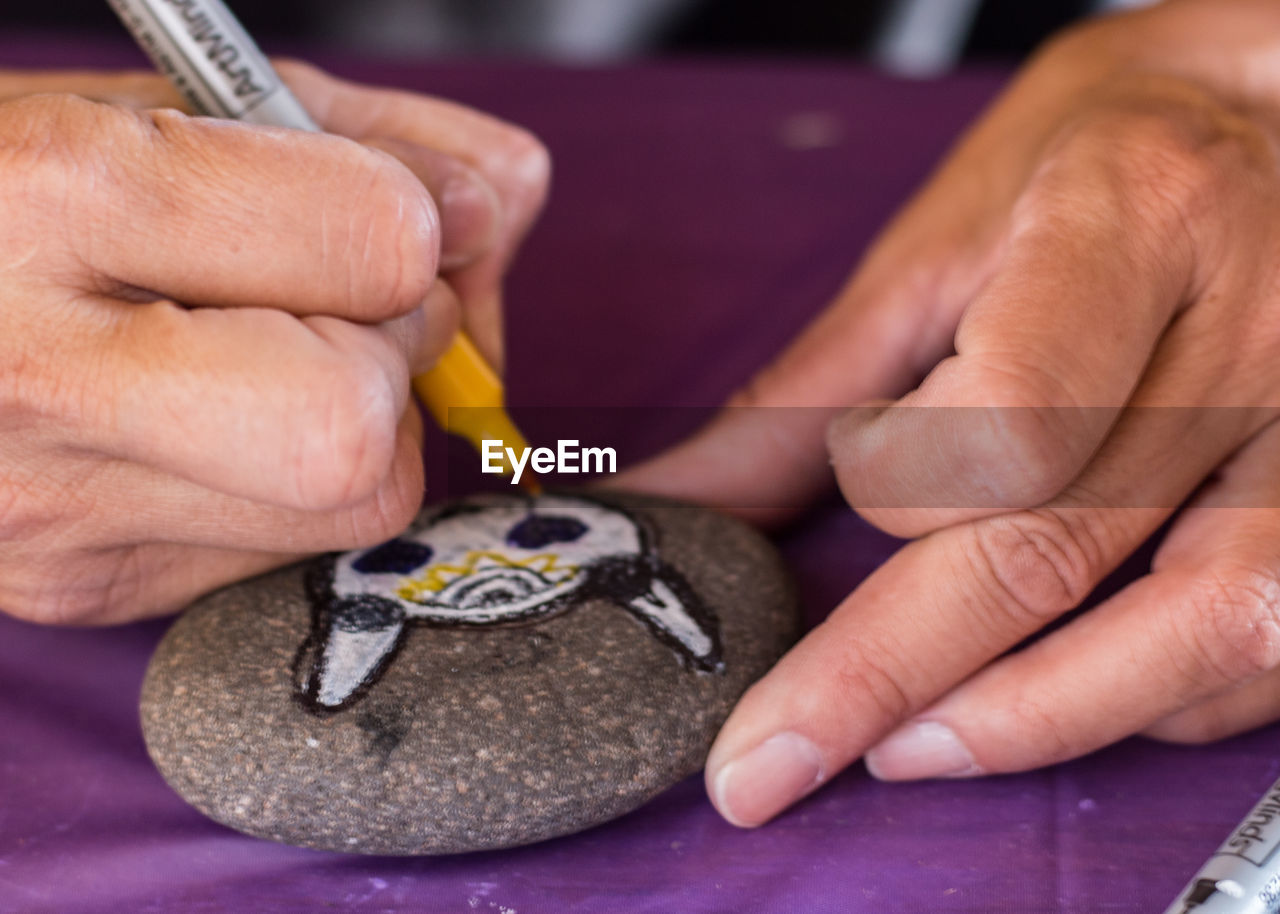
{"points": [[212, 61], [1243, 876]]}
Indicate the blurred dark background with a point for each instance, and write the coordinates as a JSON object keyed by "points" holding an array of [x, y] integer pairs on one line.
{"points": [[908, 36]]}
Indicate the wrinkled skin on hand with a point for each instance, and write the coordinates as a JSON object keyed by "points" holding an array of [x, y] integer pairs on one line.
{"points": [[1101, 242], [207, 329]]}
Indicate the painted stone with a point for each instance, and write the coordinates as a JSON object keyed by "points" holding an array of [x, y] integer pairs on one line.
{"points": [[508, 670]]}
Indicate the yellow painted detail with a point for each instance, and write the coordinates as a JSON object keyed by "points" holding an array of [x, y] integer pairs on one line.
{"points": [[436, 578]]}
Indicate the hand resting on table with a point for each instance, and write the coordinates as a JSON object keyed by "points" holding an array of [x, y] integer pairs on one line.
{"points": [[1103, 241]]}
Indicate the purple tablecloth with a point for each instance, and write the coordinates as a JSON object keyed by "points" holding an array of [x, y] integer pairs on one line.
{"points": [[688, 236]]}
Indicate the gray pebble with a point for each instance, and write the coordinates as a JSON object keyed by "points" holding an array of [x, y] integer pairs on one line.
{"points": [[507, 671]]}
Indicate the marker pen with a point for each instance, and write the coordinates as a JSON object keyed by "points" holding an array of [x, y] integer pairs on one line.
{"points": [[1243, 876], [201, 47]]}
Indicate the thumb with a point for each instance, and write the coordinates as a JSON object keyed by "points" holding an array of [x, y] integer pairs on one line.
{"points": [[763, 456]]}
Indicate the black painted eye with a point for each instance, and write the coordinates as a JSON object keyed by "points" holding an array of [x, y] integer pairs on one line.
{"points": [[394, 557], [539, 530], [366, 613]]}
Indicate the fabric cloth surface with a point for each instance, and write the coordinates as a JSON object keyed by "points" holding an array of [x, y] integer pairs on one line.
{"points": [[701, 214]]}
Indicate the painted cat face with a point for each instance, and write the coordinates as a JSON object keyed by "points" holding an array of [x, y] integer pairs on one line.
{"points": [[497, 563], [485, 562]]}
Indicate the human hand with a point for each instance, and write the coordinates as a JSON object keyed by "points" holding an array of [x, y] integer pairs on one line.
{"points": [[1102, 244], [487, 179], [208, 328]]}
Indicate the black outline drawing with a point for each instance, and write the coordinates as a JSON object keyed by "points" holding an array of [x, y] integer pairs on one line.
{"points": [[629, 580]]}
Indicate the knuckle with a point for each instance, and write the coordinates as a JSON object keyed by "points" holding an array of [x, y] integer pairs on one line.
{"points": [[1168, 165], [53, 145], [863, 678], [1035, 566], [34, 124], [1039, 729], [127, 180], [389, 249], [347, 440], [391, 509], [1161, 151], [1233, 630]]}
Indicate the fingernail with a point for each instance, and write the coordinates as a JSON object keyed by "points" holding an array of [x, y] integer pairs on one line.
{"points": [[753, 788], [468, 219], [926, 749]]}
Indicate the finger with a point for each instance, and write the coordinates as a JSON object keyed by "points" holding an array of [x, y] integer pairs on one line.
{"points": [[511, 160], [1046, 356], [763, 456], [125, 585], [765, 466], [135, 505], [470, 212], [135, 88], [176, 511], [211, 212], [226, 522], [1204, 623], [948, 604], [890, 325], [766, 456], [253, 403], [1231, 511], [1228, 713], [420, 337]]}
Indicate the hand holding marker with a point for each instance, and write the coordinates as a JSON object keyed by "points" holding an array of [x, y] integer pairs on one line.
{"points": [[201, 47]]}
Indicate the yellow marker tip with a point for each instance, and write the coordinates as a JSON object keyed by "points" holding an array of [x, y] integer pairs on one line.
{"points": [[464, 395]]}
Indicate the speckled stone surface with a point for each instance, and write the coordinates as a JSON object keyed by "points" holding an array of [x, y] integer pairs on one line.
{"points": [[468, 737]]}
